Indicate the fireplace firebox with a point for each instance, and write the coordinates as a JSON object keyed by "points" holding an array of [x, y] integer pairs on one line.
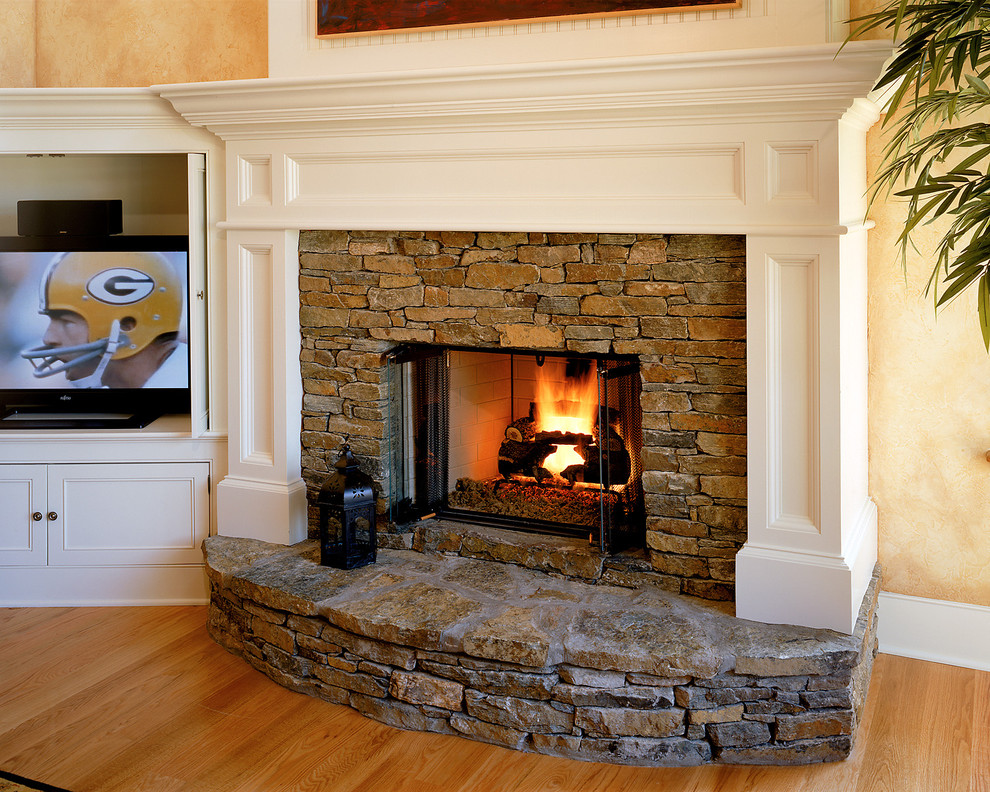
{"points": [[534, 441]]}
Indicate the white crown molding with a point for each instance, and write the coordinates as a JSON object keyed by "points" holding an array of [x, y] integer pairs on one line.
{"points": [[61, 108], [625, 227], [793, 83], [88, 120]]}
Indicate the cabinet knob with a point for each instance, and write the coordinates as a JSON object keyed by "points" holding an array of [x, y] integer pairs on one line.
{"points": [[37, 516], [52, 516]]}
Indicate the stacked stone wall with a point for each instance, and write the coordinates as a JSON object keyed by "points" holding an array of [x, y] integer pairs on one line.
{"points": [[677, 302]]}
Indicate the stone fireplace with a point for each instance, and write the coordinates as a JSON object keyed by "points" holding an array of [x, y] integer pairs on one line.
{"points": [[765, 144], [621, 191], [670, 308]]}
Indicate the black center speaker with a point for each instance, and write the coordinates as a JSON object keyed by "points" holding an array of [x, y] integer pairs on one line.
{"points": [[72, 218]]}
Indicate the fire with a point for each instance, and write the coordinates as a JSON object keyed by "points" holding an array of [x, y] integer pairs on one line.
{"points": [[567, 404]]}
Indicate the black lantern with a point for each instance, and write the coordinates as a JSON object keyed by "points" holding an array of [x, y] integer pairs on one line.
{"points": [[347, 515]]}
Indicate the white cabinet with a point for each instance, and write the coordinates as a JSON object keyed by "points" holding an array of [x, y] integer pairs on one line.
{"points": [[108, 533], [104, 514], [128, 513]]}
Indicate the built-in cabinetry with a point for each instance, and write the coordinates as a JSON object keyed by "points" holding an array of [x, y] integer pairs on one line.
{"points": [[97, 514], [118, 516]]}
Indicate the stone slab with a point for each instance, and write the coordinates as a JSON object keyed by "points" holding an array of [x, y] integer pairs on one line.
{"points": [[522, 616], [537, 661]]}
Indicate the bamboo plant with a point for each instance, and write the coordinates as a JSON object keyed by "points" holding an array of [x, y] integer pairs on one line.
{"points": [[938, 154]]}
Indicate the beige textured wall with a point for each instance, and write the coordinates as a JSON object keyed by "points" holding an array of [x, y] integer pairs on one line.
{"points": [[89, 43], [17, 33], [929, 421], [858, 8], [929, 416]]}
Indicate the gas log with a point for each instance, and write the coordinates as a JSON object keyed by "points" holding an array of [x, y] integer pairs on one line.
{"points": [[524, 450]]}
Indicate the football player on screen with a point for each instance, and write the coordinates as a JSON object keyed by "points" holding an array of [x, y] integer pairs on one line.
{"points": [[113, 321]]}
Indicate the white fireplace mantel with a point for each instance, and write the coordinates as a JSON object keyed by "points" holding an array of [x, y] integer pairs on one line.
{"points": [[769, 143]]}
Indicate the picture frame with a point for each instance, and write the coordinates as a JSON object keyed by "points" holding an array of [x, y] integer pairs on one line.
{"points": [[357, 17]]}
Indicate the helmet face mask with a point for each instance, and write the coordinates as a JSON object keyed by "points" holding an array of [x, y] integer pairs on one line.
{"points": [[46, 363], [108, 291]]}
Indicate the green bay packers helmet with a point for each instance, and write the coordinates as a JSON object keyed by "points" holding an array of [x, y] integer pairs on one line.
{"points": [[135, 290]]}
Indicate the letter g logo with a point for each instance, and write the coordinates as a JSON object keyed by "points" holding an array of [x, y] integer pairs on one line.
{"points": [[120, 286]]}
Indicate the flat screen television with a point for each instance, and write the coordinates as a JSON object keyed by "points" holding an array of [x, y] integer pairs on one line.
{"points": [[93, 331]]}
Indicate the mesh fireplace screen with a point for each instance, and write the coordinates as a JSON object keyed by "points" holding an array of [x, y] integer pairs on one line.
{"points": [[537, 442]]}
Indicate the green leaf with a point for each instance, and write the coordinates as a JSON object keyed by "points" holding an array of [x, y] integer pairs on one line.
{"points": [[937, 153], [983, 307], [977, 84], [958, 286]]}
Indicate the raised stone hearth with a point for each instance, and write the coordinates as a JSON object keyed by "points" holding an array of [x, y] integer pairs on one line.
{"points": [[535, 661]]}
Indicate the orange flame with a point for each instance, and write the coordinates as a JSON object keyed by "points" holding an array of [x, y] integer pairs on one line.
{"points": [[565, 405]]}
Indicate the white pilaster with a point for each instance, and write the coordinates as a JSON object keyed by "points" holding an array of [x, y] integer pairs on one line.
{"points": [[263, 495], [812, 543]]}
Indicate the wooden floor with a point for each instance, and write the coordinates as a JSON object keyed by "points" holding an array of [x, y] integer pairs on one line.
{"points": [[131, 699]]}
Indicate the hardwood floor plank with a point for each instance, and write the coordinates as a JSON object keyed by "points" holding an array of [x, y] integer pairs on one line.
{"points": [[980, 777], [77, 665], [920, 734], [198, 736], [137, 699], [31, 635], [417, 761], [500, 768], [111, 712], [184, 748], [300, 760], [14, 622]]}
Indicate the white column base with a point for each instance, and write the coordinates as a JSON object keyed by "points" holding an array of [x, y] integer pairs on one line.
{"points": [[782, 586], [262, 510]]}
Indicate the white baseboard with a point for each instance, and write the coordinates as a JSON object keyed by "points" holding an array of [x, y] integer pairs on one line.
{"points": [[953, 633], [53, 586]]}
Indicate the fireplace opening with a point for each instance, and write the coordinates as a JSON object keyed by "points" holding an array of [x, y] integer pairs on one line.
{"points": [[533, 441]]}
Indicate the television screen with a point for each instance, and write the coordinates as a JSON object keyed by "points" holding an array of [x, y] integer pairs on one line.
{"points": [[94, 327]]}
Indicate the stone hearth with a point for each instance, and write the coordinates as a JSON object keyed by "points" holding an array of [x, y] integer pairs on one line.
{"points": [[532, 661]]}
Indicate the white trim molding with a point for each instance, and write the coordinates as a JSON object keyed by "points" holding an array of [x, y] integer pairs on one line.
{"points": [[78, 586], [954, 633]]}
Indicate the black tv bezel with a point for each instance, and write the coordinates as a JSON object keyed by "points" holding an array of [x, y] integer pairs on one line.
{"points": [[75, 408]]}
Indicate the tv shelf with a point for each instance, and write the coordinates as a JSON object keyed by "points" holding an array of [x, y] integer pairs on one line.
{"points": [[20, 419]]}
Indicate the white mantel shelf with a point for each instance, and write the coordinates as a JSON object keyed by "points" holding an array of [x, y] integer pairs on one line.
{"points": [[770, 143], [807, 83]]}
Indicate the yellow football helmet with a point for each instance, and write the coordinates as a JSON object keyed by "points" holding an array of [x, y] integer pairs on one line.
{"points": [[137, 290]]}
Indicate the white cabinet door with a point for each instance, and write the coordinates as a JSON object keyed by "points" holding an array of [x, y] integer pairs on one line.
{"points": [[22, 500], [127, 514]]}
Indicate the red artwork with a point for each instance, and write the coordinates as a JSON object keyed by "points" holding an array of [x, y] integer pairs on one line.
{"points": [[337, 17]]}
